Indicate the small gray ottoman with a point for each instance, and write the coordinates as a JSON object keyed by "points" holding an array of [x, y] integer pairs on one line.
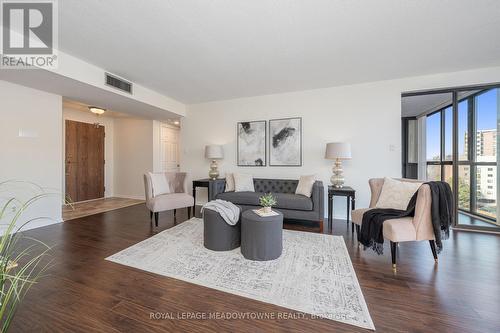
{"points": [[261, 237], [217, 234]]}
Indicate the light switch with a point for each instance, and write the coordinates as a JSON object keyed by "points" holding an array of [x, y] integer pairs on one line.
{"points": [[27, 133]]}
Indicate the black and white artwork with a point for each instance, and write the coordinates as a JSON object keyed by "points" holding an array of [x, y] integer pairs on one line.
{"points": [[285, 145], [252, 143]]}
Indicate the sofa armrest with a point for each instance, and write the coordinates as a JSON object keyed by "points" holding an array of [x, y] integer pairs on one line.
{"points": [[318, 199], [216, 187]]}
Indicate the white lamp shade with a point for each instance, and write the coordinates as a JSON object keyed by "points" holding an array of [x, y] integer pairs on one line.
{"points": [[214, 152], [340, 150]]}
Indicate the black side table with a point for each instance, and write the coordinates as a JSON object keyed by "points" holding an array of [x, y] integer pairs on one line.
{"points": [[208, 183], [345, 191]]}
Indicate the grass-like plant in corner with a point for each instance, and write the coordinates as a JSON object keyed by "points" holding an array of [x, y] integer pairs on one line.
{"points": [[268, 200], [22, 259]]}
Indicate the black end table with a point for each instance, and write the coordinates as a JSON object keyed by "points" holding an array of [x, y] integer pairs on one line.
{"points": [[204, 183], [345, 191]]}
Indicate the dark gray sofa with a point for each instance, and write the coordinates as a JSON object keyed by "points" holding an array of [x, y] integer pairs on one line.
{"points": [[293, 206]]}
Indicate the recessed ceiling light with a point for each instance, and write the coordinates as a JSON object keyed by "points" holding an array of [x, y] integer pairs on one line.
{"points": [[96, 110], [176, 122]]}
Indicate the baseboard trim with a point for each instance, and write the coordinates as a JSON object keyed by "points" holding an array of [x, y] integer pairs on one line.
{"points": [[135, 197]]}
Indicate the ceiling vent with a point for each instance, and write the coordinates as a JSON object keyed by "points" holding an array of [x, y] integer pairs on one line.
{"points": [[118, 83]]}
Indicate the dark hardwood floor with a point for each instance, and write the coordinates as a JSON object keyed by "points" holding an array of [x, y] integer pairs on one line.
{"points": [[85, 293]]}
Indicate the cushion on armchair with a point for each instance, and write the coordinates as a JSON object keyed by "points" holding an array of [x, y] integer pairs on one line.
{"points": [[159, 183], [396, 194]]}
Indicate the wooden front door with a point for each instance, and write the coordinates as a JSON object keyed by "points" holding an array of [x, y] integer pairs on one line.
{"points": [[84, 161]]}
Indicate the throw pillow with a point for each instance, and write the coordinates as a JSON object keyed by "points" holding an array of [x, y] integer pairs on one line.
{"points": [[229, 182], [159, 184], [396, 194], [305, 185], [243, 183]]}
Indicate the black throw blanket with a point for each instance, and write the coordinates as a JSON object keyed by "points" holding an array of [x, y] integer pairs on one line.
{"points": [[441, 213]]}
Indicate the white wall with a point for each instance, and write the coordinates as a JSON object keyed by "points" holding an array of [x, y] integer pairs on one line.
{"points": [[38, 157], [69, 113], [133, 156], [366, 115]]}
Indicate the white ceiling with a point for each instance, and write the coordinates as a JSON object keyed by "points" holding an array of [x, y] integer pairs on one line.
{"points": [[413, 106], [77, 106], [200, 50], [86, 94], [416, 105]]}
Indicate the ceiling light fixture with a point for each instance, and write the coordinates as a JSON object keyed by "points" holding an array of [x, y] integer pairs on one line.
{"points": [[96, 110], [176, 122]]}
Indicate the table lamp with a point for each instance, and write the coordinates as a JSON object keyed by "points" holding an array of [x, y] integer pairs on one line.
{"points": [[338, 151], [214, 152]]}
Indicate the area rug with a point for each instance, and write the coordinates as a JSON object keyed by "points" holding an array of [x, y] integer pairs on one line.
{"points": [[314, 274]]}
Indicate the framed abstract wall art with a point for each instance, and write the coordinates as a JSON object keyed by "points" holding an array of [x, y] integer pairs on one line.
{"points": [[251, 145], [285, 142]]}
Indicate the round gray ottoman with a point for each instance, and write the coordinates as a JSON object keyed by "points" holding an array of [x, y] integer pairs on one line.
{"points": [[217, 234], [261, 237]]}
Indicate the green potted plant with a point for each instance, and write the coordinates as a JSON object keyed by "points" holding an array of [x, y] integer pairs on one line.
{"points": [[267, 201], [22, 258]]}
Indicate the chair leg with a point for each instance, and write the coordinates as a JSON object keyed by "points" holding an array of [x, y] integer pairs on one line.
{"points": [[394, 252], [157, 216], [358, 231], [433, 248], [150, 215], [175, 213], [189, 213]]}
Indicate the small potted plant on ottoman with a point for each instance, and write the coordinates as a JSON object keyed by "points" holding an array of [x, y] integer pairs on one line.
{"points": [[267, 201]]}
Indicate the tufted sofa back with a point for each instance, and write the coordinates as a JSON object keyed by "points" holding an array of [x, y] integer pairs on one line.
{"points": [[275, 185]]}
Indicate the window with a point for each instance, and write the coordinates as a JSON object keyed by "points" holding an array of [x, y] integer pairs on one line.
{"points": [[448, 134], [477, 150], [486, 125], [464, 187], [433, 130], [463, 130], [439, 131], [433, 172]]}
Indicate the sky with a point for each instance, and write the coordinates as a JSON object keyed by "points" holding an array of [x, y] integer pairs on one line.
{"points": [[486, 106]]}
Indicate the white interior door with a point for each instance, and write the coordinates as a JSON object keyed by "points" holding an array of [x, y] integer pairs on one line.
{"points": [[169, 137]]}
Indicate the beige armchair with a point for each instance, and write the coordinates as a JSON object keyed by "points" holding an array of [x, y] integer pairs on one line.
{"points": [[178, 198], [406, 229]]}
